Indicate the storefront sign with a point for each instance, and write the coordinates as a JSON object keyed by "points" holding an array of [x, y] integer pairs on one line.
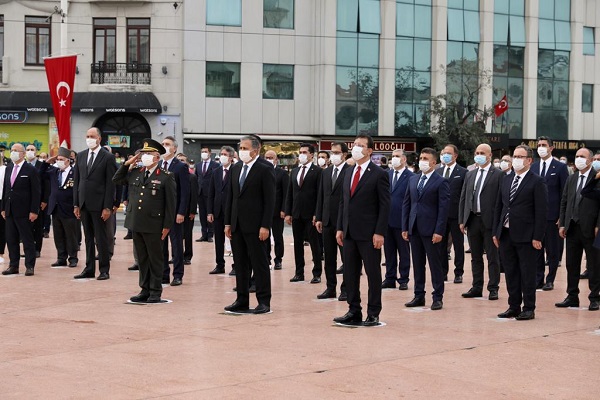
{"points": [[13, 117], [559, 144], [387, 146]]}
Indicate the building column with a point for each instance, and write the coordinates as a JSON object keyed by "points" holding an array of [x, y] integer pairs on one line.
{"points": [[486, 51], [530, 73], [576, 72], [439, 46], [326, 71], [387, 69]]}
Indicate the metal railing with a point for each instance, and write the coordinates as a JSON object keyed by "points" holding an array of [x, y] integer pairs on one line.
{"points": [[121, 73]]}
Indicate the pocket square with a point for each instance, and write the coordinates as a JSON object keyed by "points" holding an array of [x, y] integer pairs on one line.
{"points": [[554, 173], [24, 176], [456, 177]]}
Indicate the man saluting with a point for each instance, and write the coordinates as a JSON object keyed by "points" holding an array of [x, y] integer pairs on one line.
{"points": [[150, 215]]}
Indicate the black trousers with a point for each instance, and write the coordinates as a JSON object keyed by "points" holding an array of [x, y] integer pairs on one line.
{"points": [[2, 235], [424, 250], [551, 245], [65, 238], [95, 232], [331, 252], [20, 230], [518, 260], [219, 227], [188, 241], [206, 227], [357, 254], [576, 244], [176, 238], [148, 247], [480, 240], [38, 230], [277, 232], [396, 248], [47, 223], [111, 229], [249, 252], [300, 227], [458, 242]]}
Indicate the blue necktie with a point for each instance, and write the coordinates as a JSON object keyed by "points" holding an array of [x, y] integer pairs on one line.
{"points": [[243, 177], [421, 184]]}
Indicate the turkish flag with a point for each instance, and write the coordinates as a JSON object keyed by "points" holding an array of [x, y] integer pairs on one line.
{"points": [[60, 72], [501, 107]]}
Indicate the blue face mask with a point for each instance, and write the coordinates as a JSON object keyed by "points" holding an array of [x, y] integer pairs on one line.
{"points": [[480, 159], [596, 165], [446, 158]]}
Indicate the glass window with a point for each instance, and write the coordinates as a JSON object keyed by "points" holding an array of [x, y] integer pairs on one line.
{"points": [[278, 82], [368, 50], [138, 42], [347, 48], [515, 92], [500, 29], [105, 45], [516, 62], [561, 65], [517, 7], [423, 16], [589, 47], [563, 35], [423, 55], [472, 26], [555, 123], [546, 34], [422, 2], [404, 54], [501, 7], [587, 99], [346, 84], [222, 79], [37, 40], [370, 16], [346, 117], [456, 31], [278, 14], [500, 61], [405, 20], [347, 15], [224, 12], [562, 10], [517, 31], [546, 10], [455, 4], [471, 5]]}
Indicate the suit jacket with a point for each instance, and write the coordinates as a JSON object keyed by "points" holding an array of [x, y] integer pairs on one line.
{"points": [[456, 180], [592, 191], [24, 196], [193, 204], [528, 210], [181, 173], [217, 192], [94, 189], [556, 177], [397, 196], [301, 202], [328, 199], [487, 196], [282, 181], [589, 208], [45, 183], [61, 195], [429, 211], [366, 212], [251, 207], [204, 178]]}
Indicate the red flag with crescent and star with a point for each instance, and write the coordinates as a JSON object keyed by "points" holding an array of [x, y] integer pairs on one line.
{"points": [[60, 72], [501, 107]]}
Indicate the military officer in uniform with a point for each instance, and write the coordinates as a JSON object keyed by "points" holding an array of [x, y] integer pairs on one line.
{"points": [[150, 215]]}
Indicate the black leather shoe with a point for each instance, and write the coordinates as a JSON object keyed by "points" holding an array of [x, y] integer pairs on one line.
{"points": [[72, 264], [59, 263], [388, 285], [525, 315], [568, 302], [38, 254], [261, 309], [458, 279], [493, 295], [29, 272], [471, 293], [103, 276], [297, 278], [315, 279], [232, 272], [139, 298], [416, 302], [548, 286], [153, 299], [340, 270], [187, 262], [594, 305], [127, 237], [510, 313], [209, 240], [252, 288], [202, 239], [327, 294], [371, 321], [437, 305], [343, 296], [236, 306], [83, 275], [403, 286], [171, 261], [176, 282], [277, 266], [10, 271], [134, 267], [585, 275], [348, 318], [539, 286], [217, 270]]}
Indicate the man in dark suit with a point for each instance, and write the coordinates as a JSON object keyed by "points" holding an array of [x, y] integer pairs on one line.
{"points": [[519, 226], [476, 216], [20, 208], [94, 197], [60, 207], [217, 195], [38, 224], [181, 174], [204, 170], [282, 181], [150, 215], [301, 204], [397, 250], [555, 174], [328, 204], [361, 227], [456, 177], [579, 224], [188, 223], [424, 216], [248, 218]]}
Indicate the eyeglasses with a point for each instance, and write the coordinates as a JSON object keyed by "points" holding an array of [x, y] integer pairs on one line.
{"points": [[520, 157]]}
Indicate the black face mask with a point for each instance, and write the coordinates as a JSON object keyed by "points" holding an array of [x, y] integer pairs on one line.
{"points": [[72, 160]]}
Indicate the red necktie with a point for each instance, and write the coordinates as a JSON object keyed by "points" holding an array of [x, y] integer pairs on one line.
{"points": [[355, 181], [165, 165]]}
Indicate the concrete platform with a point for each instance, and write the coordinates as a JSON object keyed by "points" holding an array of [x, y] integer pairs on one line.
{"points": [[66, 339]]}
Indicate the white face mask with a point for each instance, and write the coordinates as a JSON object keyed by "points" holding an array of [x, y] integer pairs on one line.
{"points": [[321, 162], [224, 159], [336, 159], [302, 158], [271, 161], [14, 156], [496, 165], [60, 164], [205, 156], [245, 156], [167, 151], [504, 165], [518, 164], [357, 153], [91, 143], [581, 163], [424, 166], [563, 161], [396, 162], [30, 154], [542, 152], [147, 160]]}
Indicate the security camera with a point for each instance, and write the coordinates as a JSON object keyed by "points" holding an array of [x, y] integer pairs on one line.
{"points": [[163, 121]]}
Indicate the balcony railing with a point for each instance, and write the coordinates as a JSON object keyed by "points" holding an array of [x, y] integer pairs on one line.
{"points": [[121, 73]]}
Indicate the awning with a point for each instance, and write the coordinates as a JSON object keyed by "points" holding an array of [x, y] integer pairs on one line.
{"points": [[86, 102]]}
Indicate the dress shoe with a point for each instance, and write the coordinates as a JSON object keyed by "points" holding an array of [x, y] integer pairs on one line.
{"points": [[10, 271], [127, 237], [153, 299], [237, 306], [525, 315], [371, 321], [510, 313], [262, 309], [539, 286], [403, 286], [584, 275], [187, 262], [493, 295], [252, 288], [458, 279], [176, 282], [340, 270], [103, 276], [59, 263], [594, 305], [202, 239], [297, 278], [37, 254], [548, 286], [232, 272], [327, 294], [277, 266], [472, 293], [388, 285], [468, 251], [315, 279], [171, 261], [349, 317], [446, 278], [29, 272], [568, 302], [217, 270], [209, 240], [84, 275], [139, 298], [46, 235], [134, 267], [416, 302], [343, 296], [72, 264], [437, 305]]}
